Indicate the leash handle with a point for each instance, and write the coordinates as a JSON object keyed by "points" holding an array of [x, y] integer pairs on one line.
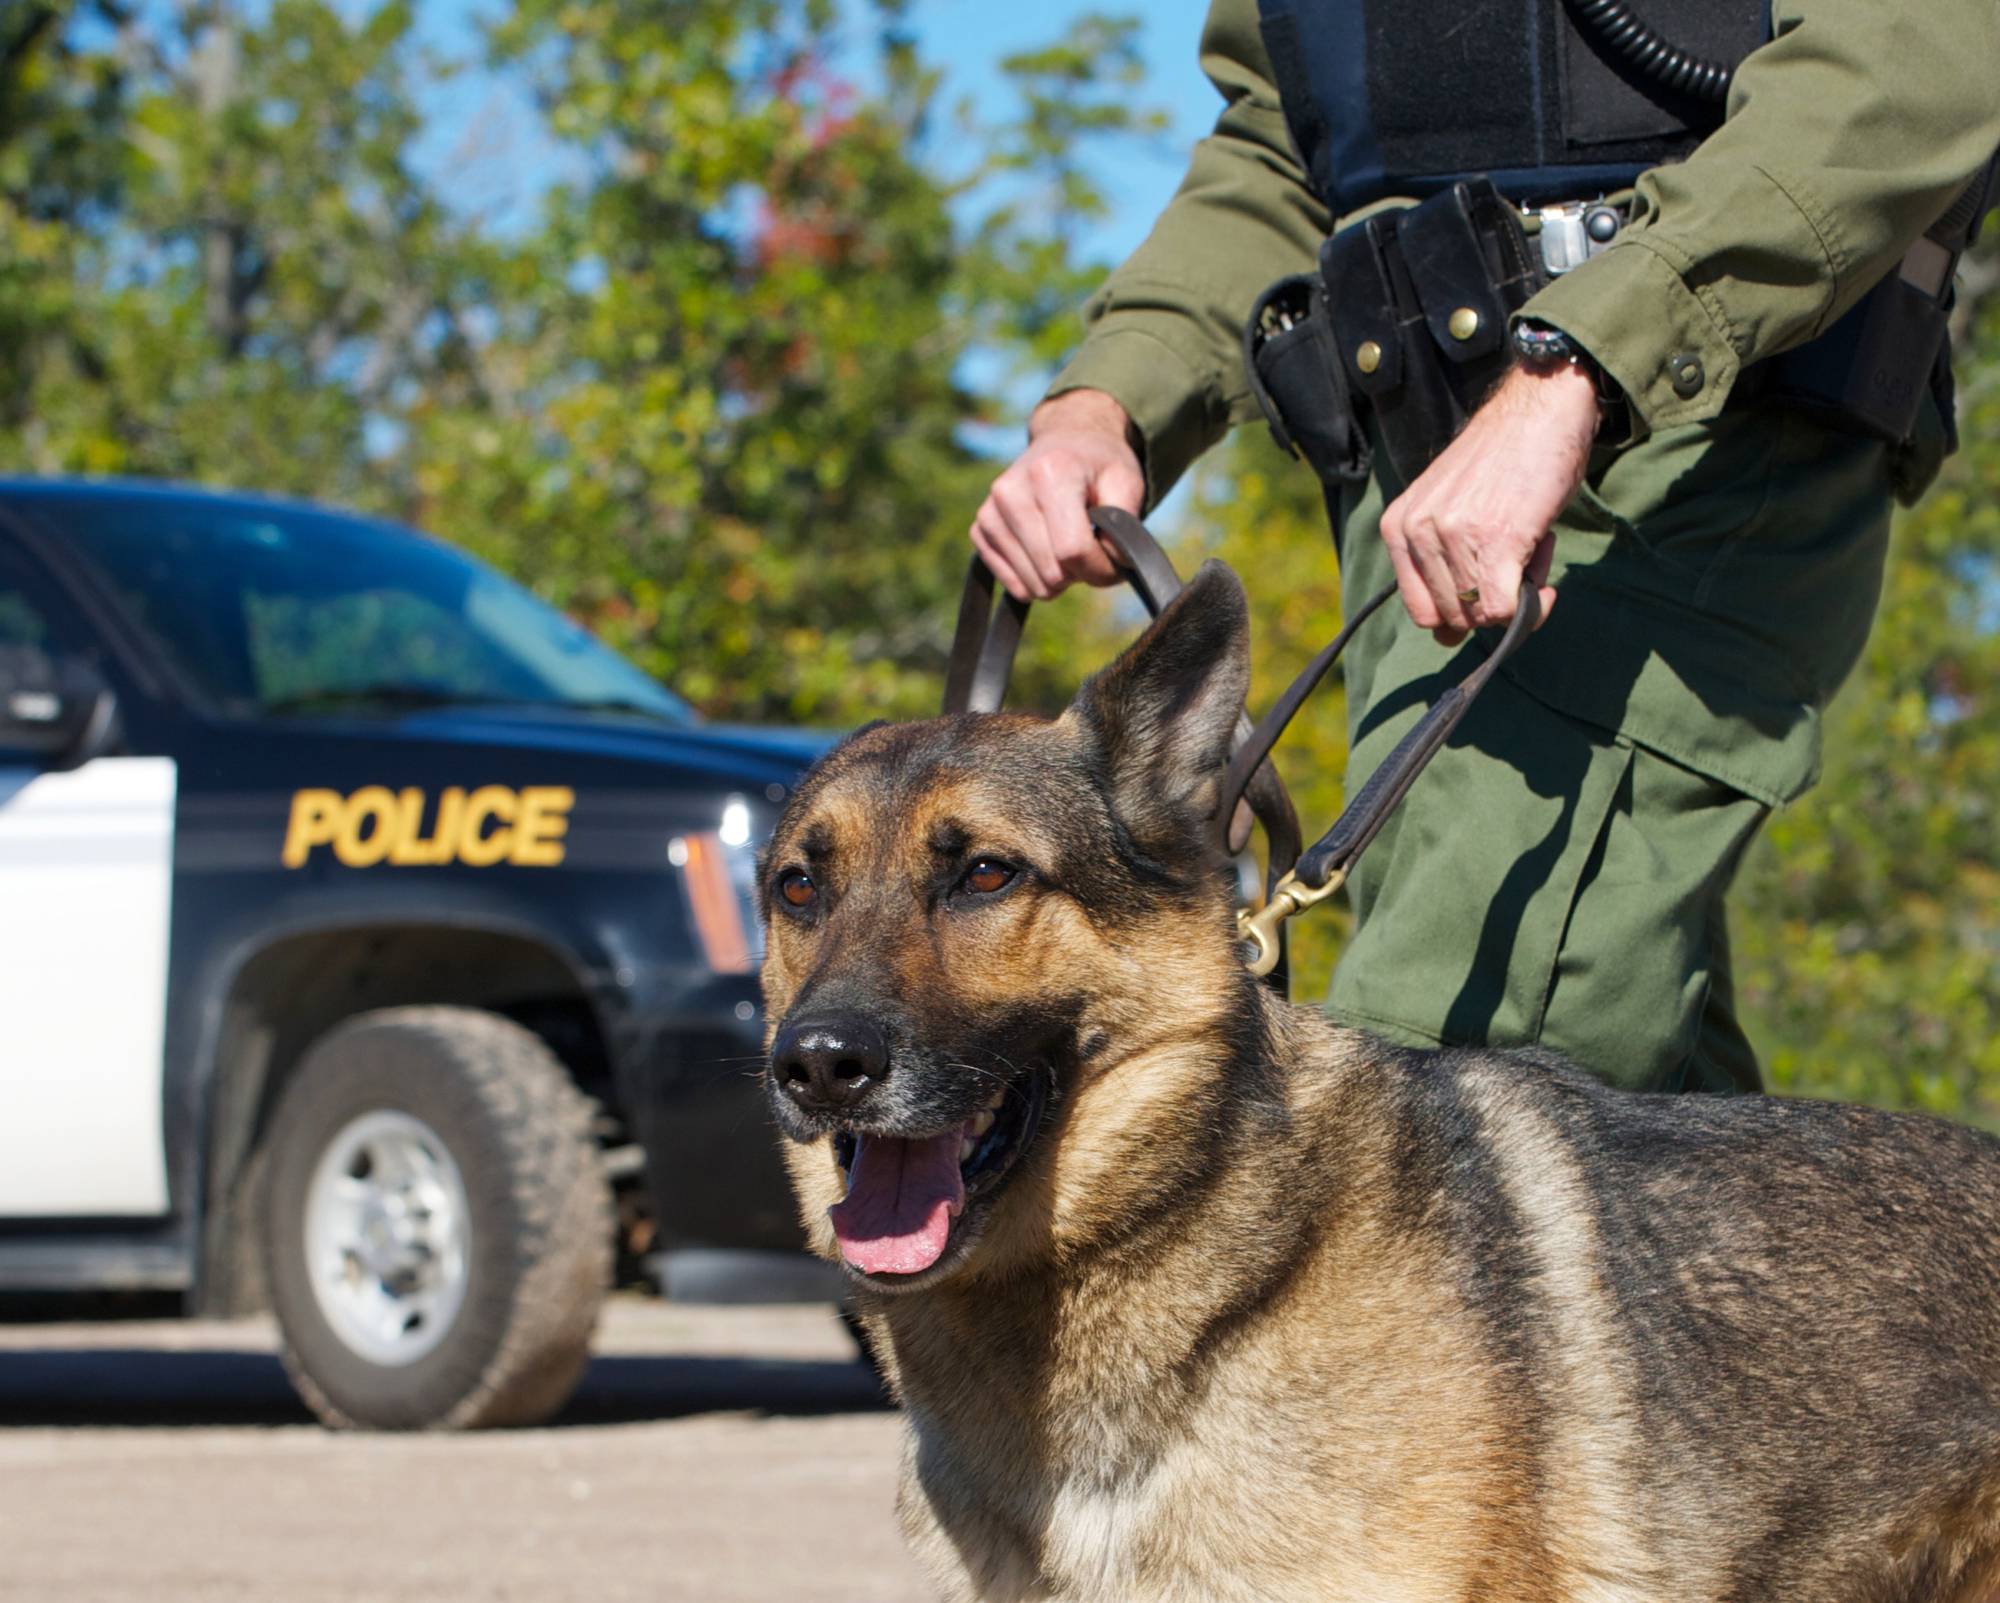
{"points": [[985, 643], [1325, 866]]}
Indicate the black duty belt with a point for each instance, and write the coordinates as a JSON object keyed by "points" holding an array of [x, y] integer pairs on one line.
{"points": [[982, 658], [1405, 324]]}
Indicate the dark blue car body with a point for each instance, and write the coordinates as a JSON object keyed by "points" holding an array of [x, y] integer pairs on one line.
{"points": [[286, 916]]}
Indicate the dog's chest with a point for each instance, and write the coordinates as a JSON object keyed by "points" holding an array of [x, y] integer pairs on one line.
{"points": [[1111, 1517], [1075, 1521], [1101, 1531]]}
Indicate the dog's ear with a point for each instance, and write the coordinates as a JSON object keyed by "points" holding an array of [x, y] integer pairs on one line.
{"points": [[1164, 714]]}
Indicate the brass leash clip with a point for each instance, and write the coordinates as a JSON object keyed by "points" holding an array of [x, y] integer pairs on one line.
{"points": [[1288, 897]]}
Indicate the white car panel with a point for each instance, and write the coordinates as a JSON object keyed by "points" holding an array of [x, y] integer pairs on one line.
{"points": [[86, 885]]}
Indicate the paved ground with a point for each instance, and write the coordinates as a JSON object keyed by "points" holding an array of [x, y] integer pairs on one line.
{"points": [[714, 1454]]}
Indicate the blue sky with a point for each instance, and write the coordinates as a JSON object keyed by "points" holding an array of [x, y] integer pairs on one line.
{"points": [[969, 38], [486, 142]]}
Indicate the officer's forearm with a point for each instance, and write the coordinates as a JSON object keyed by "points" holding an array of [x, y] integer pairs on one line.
{"points": [[1081, 412], [1480, 516]]}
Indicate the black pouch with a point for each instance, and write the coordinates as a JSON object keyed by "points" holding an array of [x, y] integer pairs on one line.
{"points": [[1470, 262], [1420, 301], [1295, 373], [1869, 373], [1386, 350]]}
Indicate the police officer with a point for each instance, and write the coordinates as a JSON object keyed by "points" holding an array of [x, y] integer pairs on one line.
{"points": [[1709, 542]]}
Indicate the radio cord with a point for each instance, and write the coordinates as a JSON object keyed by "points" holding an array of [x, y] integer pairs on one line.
{"points": [[1614, 22]]}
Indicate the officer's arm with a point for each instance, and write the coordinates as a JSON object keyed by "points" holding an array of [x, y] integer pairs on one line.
{"points": [[1847, 136], [1159, 377]]}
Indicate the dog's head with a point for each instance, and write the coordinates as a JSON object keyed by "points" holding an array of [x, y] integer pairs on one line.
{"points": [[998, 949]]}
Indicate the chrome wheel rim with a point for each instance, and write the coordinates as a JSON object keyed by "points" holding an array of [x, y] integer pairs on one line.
{"points": [[388, 1237]]}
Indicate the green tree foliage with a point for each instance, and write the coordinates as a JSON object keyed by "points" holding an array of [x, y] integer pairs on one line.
{"points": [[714, 404], [1868, 920], [727, 436], [258, 274], [60, 112]]}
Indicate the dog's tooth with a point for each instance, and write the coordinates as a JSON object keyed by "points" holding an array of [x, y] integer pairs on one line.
{"points": [[993, 1102], [982, 1121], [965, 1149]]}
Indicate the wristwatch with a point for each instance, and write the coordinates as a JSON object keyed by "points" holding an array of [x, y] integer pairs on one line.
{"points": [[1539, 347]]}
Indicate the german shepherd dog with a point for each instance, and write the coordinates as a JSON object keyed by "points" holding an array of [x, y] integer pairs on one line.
{"points": [[1190, 1294]]}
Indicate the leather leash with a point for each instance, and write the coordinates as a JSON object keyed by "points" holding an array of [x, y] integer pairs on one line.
{"points": [[1325, 866], [987, 638], [982, 658]]}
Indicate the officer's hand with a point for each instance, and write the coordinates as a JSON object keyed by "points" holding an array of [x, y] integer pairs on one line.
{"points": [[1034, 526], [1482, 515]]}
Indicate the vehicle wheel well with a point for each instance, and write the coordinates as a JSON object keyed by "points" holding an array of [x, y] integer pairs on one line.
{"points": [[295, 990]]}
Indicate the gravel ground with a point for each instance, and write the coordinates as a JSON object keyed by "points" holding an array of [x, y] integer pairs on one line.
{"points": [[718, 1454]]}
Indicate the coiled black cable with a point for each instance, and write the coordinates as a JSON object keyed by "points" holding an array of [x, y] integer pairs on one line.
{"points": [[1613, 22]]}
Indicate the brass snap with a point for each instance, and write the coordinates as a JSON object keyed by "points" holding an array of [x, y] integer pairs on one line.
{"points": [[1686, 375], [1369, 357], [1464, 323]]}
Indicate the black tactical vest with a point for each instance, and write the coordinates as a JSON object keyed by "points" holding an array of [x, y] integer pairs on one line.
{"points": [[1404, 97]]}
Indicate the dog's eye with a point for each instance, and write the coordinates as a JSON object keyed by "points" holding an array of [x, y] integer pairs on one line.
{"points": [[988, 875], [797, 888]]}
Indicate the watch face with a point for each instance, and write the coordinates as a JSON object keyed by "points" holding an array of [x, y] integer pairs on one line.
{"points": [[1543, 345]]}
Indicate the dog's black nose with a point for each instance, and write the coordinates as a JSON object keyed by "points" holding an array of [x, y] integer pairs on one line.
{"points": [[829, 1063]]}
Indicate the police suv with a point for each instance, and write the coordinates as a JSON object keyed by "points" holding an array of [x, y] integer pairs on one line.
{"points": [[369, 934]]}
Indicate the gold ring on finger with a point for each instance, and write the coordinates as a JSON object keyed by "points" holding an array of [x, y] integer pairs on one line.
{"points": [[1469, 597]]}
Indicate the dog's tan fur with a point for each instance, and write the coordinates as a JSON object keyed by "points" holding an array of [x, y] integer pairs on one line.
{"points": [[1272, 1310]]}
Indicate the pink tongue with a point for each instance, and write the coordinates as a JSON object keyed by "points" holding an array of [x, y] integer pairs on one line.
{"points": [[901, 1196]]}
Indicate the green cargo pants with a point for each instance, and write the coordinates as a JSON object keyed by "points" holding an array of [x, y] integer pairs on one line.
{"points": [[1557, 875]]}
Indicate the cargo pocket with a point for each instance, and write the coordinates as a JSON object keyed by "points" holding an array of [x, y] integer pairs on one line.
{"points": [[1643, 958], [1462, 901]]}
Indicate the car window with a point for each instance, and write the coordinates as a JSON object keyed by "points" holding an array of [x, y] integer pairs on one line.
{"points": [[280, 612], [30, 652], [20, 623], [23, 622], [306, 645], [25, 625]]}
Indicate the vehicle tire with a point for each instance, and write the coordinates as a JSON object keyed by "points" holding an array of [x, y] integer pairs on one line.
{"points": [[438, 1231]]}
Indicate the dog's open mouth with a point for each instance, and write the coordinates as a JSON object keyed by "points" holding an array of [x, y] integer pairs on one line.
{"points": [[905, 1193]]}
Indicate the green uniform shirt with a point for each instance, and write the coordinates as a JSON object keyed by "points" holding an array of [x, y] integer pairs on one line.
{"points": [[1846, 136], [1713, 596]]}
